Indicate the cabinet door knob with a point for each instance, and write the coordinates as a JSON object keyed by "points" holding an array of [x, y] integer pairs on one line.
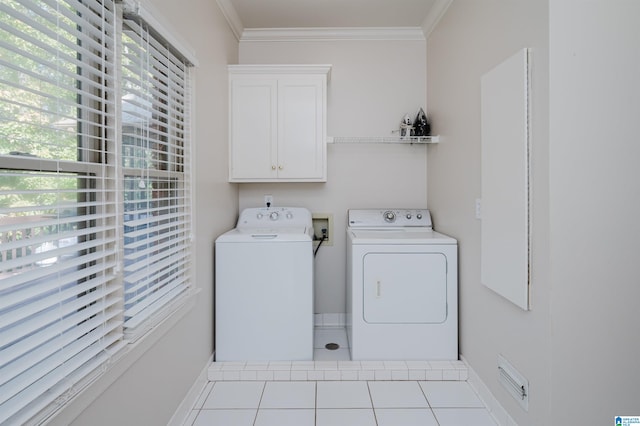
{"points": [[279, 167], [273, 167]]}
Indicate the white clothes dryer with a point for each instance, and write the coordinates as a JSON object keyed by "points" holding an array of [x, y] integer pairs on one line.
{"points": [[264, 287], [402, 287]]}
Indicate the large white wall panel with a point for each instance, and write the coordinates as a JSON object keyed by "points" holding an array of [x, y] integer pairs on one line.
{"points": [[504, 248]]}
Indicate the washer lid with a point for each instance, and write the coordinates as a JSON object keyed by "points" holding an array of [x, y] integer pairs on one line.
{"points": [[398, 236], [256, 235]]}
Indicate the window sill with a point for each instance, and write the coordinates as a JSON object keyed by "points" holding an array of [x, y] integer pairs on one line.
{"points": [[66, 412]]}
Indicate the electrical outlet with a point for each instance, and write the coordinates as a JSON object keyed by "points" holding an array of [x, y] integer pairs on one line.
{"points": [[268, 200]]}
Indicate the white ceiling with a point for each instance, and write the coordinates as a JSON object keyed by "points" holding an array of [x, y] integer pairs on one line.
{"points": [[284, 14]]}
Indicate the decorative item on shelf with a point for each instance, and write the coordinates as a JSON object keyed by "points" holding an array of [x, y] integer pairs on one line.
{"points": [[406, 129], [421, 126], [419, 140]]}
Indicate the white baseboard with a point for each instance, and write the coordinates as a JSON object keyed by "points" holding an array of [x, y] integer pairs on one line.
{"points": [[184, 409], [497, 411]]}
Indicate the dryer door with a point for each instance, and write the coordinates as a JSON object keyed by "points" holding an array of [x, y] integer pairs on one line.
{"points": [[405, 288]]}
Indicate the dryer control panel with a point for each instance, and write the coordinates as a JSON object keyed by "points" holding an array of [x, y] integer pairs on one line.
{"points": [[389, 218]]}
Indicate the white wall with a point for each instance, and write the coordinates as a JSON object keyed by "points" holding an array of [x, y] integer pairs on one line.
{"points": [[579, 344], [472, 38], [594, 204], [147, 390], [373, 84]]}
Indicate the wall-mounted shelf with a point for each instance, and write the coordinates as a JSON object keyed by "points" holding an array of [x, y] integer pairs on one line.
{"points": [[384, 139]]}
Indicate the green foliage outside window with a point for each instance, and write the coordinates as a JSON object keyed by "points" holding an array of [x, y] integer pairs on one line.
{"points": [[39, 107]]}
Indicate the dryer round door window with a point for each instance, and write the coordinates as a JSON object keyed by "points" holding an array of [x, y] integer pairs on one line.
{"points": [[405, 288]]}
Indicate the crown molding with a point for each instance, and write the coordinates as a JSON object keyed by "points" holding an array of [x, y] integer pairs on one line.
{"points": [[436, 13], [333, 34], [230, 14], [297, 69]]}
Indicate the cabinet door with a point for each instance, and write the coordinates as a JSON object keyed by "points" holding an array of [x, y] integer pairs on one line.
{"points": [[301, 139], [253, 118]]}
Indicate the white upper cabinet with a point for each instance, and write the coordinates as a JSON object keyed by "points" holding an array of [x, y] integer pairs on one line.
{"points": [[278, 123]]}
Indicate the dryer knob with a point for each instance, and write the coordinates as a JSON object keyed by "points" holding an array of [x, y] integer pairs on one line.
{"points": [[419, 216], [289, 215], [389, 216], [274, 216], [259, 216], [408, 215]]}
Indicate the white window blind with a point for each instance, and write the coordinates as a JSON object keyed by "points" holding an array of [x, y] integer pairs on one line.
{"points": [[156, 172], [60, 303]]}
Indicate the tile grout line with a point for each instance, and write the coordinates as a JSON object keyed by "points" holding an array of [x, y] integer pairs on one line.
{"points": [[264, 388], [373, 408], [424, 393]]}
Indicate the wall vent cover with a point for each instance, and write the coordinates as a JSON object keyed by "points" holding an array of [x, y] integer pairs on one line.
{"points": [[514, 382]]}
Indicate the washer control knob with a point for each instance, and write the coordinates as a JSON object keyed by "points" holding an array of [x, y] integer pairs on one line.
{"points": [[408, 215], [289, 215], [419, 216], [274, 216], [259, 216], [389, 216]]}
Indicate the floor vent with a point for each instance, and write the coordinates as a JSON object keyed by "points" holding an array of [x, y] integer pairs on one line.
{"points": [[513, 382]]}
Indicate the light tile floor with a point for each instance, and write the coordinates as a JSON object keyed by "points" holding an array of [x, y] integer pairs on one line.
{"points": [[325, 402], [344, 403]]}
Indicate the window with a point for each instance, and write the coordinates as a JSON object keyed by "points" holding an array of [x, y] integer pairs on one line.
{"points": [[94, 194], [155, 164]]}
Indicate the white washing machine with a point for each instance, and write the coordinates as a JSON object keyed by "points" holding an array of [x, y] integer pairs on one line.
{"points": [[402, 287], [264, 287]]}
